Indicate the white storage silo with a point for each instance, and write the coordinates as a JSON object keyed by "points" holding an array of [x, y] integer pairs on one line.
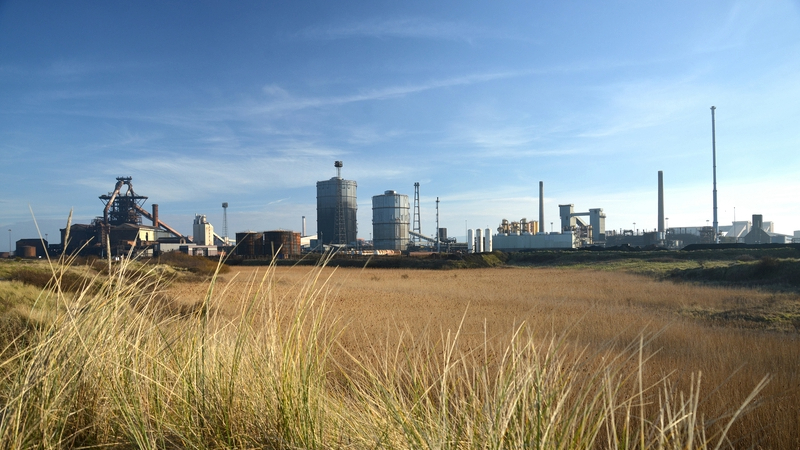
{"points": [[487, 240], [391, 221], [470, 241]]}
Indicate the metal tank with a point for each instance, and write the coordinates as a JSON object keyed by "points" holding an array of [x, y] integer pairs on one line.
{"points": [[281, 243], [391, 220], [250, 244], [337, 210]]}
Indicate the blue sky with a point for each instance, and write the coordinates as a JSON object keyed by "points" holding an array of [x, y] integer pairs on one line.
{"points": [[251, 103]]}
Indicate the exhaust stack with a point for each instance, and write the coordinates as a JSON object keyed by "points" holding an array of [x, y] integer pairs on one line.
{"points": [[155, 215], [541, 206], [661, 202]]}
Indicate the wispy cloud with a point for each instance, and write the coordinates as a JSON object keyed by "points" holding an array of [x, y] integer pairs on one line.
{"points": [[293, 103], [744, 19], [406, 27]]}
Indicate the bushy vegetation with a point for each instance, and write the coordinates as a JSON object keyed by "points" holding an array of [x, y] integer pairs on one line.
{"points": [[198, 265], [42, 277], [764, 271], [110, 368]]}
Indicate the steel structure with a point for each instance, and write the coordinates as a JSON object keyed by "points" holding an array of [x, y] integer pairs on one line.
{"points": [[126, 208], [122, 208], [416, 226], [438, 243]]}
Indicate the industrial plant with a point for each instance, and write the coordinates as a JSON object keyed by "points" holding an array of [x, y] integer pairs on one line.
{"points": [[395, 230]]}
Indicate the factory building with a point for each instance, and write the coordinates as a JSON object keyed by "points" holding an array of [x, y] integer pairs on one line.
{"points": [[391, 220], [593, 232], [337, 210], [120, 228], [511, 242], [267, 244], [757, 235], [31, 248], [203, 232], [529, 235]]}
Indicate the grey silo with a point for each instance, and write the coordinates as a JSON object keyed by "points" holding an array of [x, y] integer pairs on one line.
{"points": [[390, 221], [337, 210]]}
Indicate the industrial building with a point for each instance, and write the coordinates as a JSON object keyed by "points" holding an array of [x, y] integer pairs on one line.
{"points": [[203, 232], [31, 248], [337, 210], [592, 233], [529, 235], [391, 220], [120, 228], [267, 244]]}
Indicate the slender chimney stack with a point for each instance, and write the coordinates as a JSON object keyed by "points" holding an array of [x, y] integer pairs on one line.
{"points": [[714, 159], [155, 215], [541, 206], [661, 202], [304, 226]]}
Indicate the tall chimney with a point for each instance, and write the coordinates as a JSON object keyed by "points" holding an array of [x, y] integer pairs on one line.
{"points": [[661, 201], [541, 207], [714, 158], [304, 226], [155, 215]]}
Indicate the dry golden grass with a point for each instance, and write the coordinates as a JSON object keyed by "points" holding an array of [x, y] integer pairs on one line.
{"points": [[593, 309]]}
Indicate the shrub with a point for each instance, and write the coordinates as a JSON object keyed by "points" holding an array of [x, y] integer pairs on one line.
{"points": [[199, 265], [41, 278]]}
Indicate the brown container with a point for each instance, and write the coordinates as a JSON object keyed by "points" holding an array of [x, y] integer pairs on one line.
{"points": [[282, 243], [28, 252], [250, 244]]}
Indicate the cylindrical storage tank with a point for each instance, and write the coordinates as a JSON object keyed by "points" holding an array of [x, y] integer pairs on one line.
{"points": [[337, 211], [487, 240], [249, 244], [478, 240], [390, 221], [28, 252], [283, 243], [470, 241]]}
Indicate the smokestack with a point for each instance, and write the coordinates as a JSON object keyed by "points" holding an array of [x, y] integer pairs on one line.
{"points": [[155, 215], [661, 201], [541, 206], [304, 226], [714, 158]]}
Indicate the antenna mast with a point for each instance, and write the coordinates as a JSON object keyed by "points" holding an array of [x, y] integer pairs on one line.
{"points": [[416, 226], [438, 244]]}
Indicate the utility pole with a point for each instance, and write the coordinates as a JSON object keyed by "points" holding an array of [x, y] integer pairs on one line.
{"points": [[714, 160]]}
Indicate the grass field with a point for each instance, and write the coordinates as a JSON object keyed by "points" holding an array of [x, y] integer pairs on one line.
{"points": [[287, 357]]}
